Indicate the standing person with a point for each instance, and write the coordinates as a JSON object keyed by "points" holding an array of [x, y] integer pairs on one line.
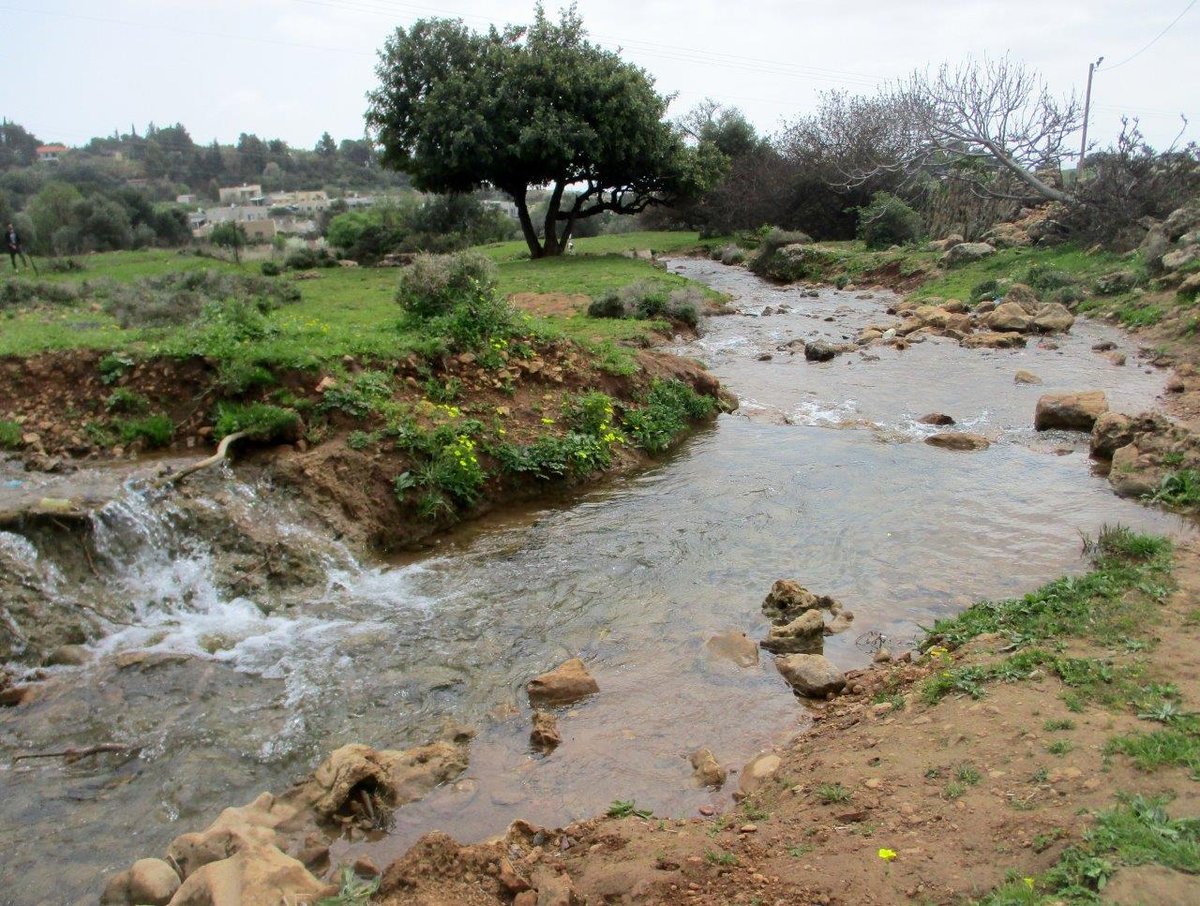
{"points": [[12, 241]]}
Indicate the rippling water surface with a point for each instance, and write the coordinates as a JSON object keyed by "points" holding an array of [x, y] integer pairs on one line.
{"points": [[821, 477]]}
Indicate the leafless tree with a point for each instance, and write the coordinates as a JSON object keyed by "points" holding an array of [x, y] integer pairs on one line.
{"points": [[992, 122]]}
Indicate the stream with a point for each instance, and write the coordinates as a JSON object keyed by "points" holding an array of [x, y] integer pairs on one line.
{"points": [[820, 476]]}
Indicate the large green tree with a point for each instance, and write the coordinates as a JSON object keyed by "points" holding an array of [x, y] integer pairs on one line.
{"points": [[522, 108]]}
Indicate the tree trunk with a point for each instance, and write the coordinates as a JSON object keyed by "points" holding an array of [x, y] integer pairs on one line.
{"points": [[551, 244], [527, 230]]}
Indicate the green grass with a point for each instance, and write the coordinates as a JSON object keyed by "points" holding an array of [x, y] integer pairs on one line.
{"points": [[832, 793], [10, 434], [342, 311], [626, 808], [1176, 745], [1054, 725], [1179, 489], [1015, 265]]}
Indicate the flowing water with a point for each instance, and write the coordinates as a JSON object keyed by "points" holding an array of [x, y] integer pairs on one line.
{"points": [[821, 476]]}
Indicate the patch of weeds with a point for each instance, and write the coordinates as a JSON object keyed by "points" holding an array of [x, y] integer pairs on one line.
{"points": [[240, 376], [154, 430], [112, 366], [10, 434], [719, 857], [800, 851], [954, 789], [895, 699], [1176, 745], [1074, 702], [359, 394], [1134, 316], [585, 448], [1039, 776], [1042, 842], [443, 391], [126, 401], [755, 813], [626, 808], [1060, 747], [614, 359], [99, 434], [968, 774], [353, 891], [1179, 489], [261, 421], [831, 793], [669, 408], [1059, 723], [360, 440]]}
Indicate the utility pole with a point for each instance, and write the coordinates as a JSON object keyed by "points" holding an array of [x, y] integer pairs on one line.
{"points": [[1087, 106]]}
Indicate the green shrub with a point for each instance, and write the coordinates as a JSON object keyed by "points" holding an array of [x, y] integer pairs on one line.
{"points": [[178, 298], [434, 285], [359, 394], [1047, 279], [772, 237], [1179, 489], [10, 434], [306, 259], [609, 305], [239, 376], [261, 421], [155, 430], [270, 269], [888, 221], [985, 290], [1068, 295], [646, 300], [670, 406], [112, 366]]}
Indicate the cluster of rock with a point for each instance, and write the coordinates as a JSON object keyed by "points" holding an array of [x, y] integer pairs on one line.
{"points": [[1172, 249], [991, 324], [273, 849], [797, 634]]}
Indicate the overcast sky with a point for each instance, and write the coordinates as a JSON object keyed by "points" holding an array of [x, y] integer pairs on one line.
{"points": [[292, 69]]}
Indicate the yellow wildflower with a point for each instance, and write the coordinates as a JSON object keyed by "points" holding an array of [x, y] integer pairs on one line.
{"points": [[887, 854]]}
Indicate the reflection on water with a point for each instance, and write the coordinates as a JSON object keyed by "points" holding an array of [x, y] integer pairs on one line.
{"points": [[634, 578]]}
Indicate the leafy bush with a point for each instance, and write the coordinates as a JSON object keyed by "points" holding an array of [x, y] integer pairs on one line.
{"points": [[670, 406], [10, 434], [155, 430], [1179, 489], [112, 366], [646, 300], [178, 298], [1047, 279], [1068, 295], [359, 394], [888, 221], [238, 376], [434, 285], [16, 291], [772, 237], [270, 269], [306, 259], [987, 289], [260, 421]]}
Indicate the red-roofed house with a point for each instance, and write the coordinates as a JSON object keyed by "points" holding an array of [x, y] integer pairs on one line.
{"points": [[51, 152]]}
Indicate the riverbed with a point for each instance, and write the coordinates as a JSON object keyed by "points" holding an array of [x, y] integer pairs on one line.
{"points": [[821, 476]]}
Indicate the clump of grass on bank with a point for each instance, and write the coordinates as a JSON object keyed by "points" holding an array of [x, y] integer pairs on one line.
{"points": [[648, 301], [1108, 606], [260, 421], [10, 434]]}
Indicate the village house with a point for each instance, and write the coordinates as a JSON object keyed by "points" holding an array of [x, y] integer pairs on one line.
{"points": [[50, 153], [243, 194]]}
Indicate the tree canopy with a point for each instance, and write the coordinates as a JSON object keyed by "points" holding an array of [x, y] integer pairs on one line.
{"points": [[526, 107]]}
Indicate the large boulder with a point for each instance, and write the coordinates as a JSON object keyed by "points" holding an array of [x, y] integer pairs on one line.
{"points": [[1023, 295], [1008, 317], [1070, 411], [1053, 318], [787, 599], [941, 245], [1182, 220], [1116, 282], [564, 685], [1111, 431], [820, 351], [805, 633], [812, 675], [966, 252], [149, 882], [235, 829], [1173, 261], [256, 876], [1130, 475], [386, 778]]}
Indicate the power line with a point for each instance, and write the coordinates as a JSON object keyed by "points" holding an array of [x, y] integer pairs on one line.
{"points": [[1154, 40]]}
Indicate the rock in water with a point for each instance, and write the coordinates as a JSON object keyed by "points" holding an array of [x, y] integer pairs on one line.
{"points": [[256, 876], [152, 882], [1111, 431], [544, 737], [734, 646], [1070, 411], [1008, 316], [1053, 318], [787, 599], [707, 770], [953, 440], [812, 675], [805, 633], [820, 351], [1026, 377], [935, 418], [563, 685]]}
